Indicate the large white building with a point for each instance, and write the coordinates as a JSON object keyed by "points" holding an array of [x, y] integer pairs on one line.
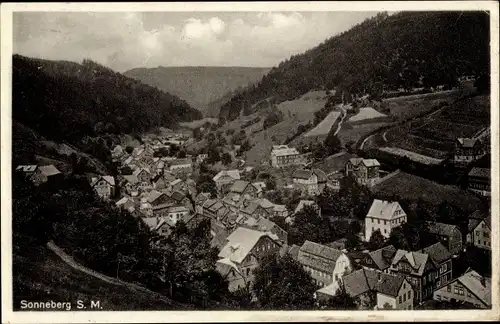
{"points": [[383, 216], [282, 156]]}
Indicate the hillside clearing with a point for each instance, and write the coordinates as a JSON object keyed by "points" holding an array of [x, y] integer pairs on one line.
{"points": [[198, 123], [323, 128], [366, 113]]}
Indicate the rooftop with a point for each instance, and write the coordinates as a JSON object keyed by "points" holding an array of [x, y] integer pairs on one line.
{"points": [[383, 209]]}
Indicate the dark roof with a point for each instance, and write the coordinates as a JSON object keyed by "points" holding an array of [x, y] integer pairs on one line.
{"points": [[177, 196], [356, 258], [480, 172], [437, 252], [318, 256], [302, 174], [473, 224], [321, 175], [441, 228], [478, 214], [239, 186], [360, 281], [294, 251], [389, 284], [383, 256]]}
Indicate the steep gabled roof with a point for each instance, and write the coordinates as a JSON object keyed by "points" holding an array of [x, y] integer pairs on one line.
{"points": [[302, 174], [480, 172], [437, 253], [478, 285], [417, 260], [239, 186], [467, 142], [304, 203], [441, 228], [389, 284], [235, 174], [327, 256], [321, 175], [383, 209], [241, 242], [383, 257], [49, 170]]}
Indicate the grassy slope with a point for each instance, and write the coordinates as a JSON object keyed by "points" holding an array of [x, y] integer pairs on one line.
{"points": [[41, 275], [410, 186]]}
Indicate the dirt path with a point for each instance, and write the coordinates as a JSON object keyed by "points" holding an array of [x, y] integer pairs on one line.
{"points": [[71, 262], [344, 114]]}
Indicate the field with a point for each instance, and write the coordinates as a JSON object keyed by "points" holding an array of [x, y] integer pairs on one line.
{"points": [[325, 125], [409, 186], [435, 135], [352, 133], [200, 122], [42, 275], [305, 105], [334, 163], [411, 155], [409, 106], [366, 114]]}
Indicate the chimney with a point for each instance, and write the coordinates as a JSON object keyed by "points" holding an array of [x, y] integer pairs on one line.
{"points": [[483, 281]]}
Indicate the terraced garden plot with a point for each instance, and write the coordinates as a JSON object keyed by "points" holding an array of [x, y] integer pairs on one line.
{"points": [[445, 130], [420, 158], [366, 114], [323, 128]]}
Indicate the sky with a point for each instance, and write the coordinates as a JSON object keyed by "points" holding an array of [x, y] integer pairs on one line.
{"points": [[123, 41]]}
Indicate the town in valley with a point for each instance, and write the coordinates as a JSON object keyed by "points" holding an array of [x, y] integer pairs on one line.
{"points": [[300, 187]]}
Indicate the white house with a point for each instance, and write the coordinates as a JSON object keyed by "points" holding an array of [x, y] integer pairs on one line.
{"points": [[104, 186], [175, 213], [324, 264], [383, 216], [225, 178], [282, 155]]}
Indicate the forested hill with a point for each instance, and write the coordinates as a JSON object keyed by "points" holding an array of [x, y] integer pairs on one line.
{"points": [[200, 86], [404, 50], [68, 101]]}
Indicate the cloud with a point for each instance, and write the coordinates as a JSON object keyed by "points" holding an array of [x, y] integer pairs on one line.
{"points": [[126, 40]]}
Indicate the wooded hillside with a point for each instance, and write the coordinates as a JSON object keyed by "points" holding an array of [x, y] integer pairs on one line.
{"points": [[68, 101], [404, 50]]}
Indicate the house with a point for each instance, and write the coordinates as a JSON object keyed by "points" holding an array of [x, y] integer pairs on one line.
{"points": [[160, 225], [468, 150], [117, 151], [379, 260], [201, 157], [449, 235], [283, 156], [159, 182], [200, 200], [394, 292], [419, 270], [126, 203], [311, 182], [265, 225], [280, 211], [104, 186], [176, 213], [178, 185], [242, 187], [364, 171], [181, 166], [260, 186], [146, 209], [478, 180], [46, 174], [143, 175], [241, 254], [441, 258], [225, 178], [470, 287], [375, 290], [383, 216], [480, 233], [324, 264], [253, 209], [27, 170]]}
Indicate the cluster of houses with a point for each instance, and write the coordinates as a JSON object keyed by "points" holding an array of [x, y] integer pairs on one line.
{"points": [[159, 190], [469, 150]]}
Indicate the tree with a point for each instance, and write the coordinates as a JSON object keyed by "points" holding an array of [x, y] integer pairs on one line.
{"points": [[226, 158], [245, 146], [129, 149], [341, 301], [181, 154], [197, 134], [282, 283], [213, 155], [332, 142], [377, 240], [126, 170], [205, 183], [272, 119], [309, 225]]}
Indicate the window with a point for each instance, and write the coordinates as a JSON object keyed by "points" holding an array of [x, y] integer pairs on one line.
{"points": [[409, 295], [486, 234], [455, 290], [404, 285], [469, 294], [385, 222], [404, 298], [461, 291], [378, 221], [448, 288], [399, 299]]}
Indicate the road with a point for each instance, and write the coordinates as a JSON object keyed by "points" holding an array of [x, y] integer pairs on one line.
{"points": [[344, 114]]}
